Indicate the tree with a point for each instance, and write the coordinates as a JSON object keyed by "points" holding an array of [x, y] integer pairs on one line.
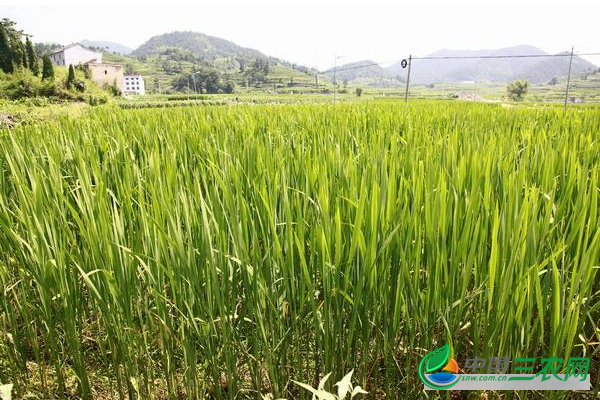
{"points": [[43, 48], [114, 89], [70, 77], [211, 81], [207, 81], [19, 58], [47, 68], [517, 90], [229, 87], [242, 63], [87, 73], [553, 81], [359, 92], [15, 43], [6, 62]]}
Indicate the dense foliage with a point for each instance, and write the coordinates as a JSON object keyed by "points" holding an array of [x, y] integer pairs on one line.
{"points": [[20, 70], [14, 54], [22, 84], [228, 250], [47, 68], [203, 81], [517, 90]]}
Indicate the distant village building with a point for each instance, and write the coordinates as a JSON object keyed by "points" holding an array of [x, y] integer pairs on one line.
{"points": [[103, 74], [134, 84], [106, 74], [74, 54]]}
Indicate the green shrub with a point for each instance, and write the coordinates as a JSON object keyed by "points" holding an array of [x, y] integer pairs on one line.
{"points": [[190, 96], [23, 84], [113, 90], [35, 101], [18, 85], [49, 89], [96, 100], [79, 85], [517, 90]]}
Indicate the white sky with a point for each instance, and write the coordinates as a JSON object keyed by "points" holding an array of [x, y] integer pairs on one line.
{"points": [[312, 32]]}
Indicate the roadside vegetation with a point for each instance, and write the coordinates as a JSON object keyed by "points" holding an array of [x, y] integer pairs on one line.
{"points": [[30, 83]]}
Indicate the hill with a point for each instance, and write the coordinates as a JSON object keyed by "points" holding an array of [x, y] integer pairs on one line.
{"points": [[167, 73], [168, 61], [359, 69], [363, 73], [535, 69], [111, 47], [200, 45], [545, 69]]}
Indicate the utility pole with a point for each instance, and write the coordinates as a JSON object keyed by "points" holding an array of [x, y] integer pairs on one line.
{"points": [[569, 78], [316, 80], [194, 79], [407, 79]]}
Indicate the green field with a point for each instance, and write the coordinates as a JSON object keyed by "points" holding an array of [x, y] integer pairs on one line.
{"points": [[224, 251], [584, 88]]}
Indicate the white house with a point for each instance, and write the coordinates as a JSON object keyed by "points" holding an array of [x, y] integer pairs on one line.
{"points": [[74, 54], [133, 84]]}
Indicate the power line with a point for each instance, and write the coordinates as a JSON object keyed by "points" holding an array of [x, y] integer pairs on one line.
{"points": [[331, 71], [504, 56]]}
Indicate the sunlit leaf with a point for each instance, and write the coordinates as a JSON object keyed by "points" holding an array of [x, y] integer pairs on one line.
{"points": [[344, 385], [358, 390], [6, 391]]}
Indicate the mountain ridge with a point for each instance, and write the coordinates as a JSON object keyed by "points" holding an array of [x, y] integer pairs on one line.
{"points": [[197, 43], [112, 47], [535, 69], [363, 72], [214, 52]]}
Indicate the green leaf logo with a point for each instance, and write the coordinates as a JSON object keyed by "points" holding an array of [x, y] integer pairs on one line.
{"points": [[437, 358], [432, 362]]}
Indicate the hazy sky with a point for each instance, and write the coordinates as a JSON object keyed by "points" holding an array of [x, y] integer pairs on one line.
{"points": [[312, 32]]}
